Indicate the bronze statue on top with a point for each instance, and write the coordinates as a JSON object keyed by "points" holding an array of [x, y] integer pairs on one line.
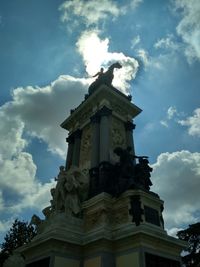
{"points": [[104, 77]]}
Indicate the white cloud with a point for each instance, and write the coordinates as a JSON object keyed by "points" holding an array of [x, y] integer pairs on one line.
{"points": [[164, 123], [135, 41], [135, 3], [147, 60], [18, 180], [1, 201], [18, 173], [41, 110], [143, 55], [91, 12], [176, 178], [193, 123], [37, 111], [173, 231], [5, 225], [37, 198], [171, 112], [11, 130], [166, 43], [95, 54], [189, 27]]}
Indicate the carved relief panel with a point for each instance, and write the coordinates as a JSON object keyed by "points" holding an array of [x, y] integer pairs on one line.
{"points": [[85, 151], [117, 136]]}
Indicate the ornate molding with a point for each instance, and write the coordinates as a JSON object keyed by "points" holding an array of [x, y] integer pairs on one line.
{"points": [[95, 118], [105, 111]]}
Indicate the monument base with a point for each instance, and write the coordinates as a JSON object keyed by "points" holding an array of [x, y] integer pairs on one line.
{"points": [[107, 236]]}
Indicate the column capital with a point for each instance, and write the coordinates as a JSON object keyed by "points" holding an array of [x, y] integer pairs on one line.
{"points": [[70, 139], [77, 133], [129, 126], [95, 118], [105, 111]]}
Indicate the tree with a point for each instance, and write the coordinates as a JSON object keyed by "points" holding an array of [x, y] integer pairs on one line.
{"points": [[19, 234], [192, 236]]}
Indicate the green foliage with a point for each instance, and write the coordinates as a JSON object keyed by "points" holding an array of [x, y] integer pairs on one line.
{"points": [[19, 234], [192, 236]]}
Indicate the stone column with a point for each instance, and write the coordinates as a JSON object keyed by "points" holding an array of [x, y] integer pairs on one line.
{"points": [[94, 171], [104, 158], [104, 134], [77, 146], [70, 141], [95, 120], [129, 127]]}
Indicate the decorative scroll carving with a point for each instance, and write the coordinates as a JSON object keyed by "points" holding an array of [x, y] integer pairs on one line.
{"points": [[85, 152], [118, 109], [84, 116], [117, 133], [121, 216], [98, 217]]}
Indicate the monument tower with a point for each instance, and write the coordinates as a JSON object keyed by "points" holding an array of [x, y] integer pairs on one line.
{"points": [[102, 212]]}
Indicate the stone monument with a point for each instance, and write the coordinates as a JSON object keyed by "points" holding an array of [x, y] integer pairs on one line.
{"points": [[102, 212]]}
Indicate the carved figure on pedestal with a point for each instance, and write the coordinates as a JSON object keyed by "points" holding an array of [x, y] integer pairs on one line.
{"points": [[124, 170], [72, 202], [48, 211], [60, 190], [37, 222], [104, 77], [71, 189], [142, 173]]}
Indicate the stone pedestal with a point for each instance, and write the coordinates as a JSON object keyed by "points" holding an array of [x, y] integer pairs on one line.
{"points": [[114, 227], [106, 236]]}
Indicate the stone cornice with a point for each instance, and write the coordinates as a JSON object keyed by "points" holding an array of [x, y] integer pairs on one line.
{"points": [[118, 103]]}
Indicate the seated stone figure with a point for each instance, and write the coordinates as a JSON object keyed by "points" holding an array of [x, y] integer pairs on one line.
{"points": [[69, 192]]}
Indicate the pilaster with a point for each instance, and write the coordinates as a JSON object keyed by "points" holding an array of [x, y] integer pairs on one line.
{"points": [[70, 141], [104, 113], [77, 145], [95, 121], [129, 127]]}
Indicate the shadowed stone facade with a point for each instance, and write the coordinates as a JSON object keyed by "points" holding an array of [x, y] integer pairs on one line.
{"points": [[102, 212]]}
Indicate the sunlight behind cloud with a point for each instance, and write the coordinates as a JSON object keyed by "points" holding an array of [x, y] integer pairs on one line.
{"points": [[96, 55], [93, 50]]}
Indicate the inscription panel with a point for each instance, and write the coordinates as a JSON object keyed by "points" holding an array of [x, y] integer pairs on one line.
{"points": [[151, 215]]}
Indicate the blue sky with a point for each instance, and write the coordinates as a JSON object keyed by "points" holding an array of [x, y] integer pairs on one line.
{"points": [[48, 52]]}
